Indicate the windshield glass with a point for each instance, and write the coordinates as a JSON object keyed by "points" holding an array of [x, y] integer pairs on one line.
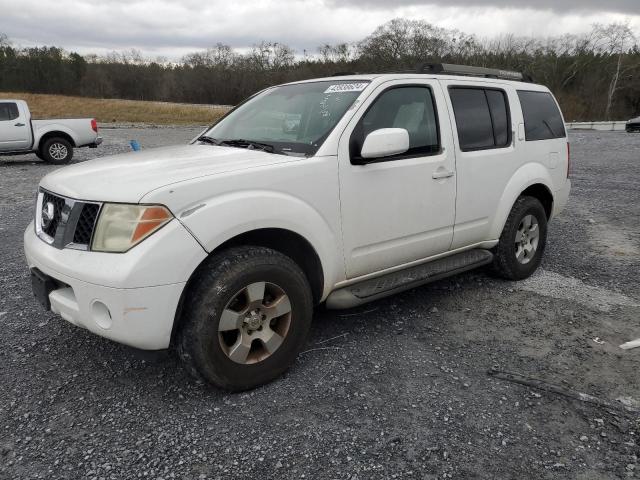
{"points": [[292, 119]]}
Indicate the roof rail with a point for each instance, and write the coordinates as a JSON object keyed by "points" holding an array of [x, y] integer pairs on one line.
{"points": [[343, 74], [466, 70]]}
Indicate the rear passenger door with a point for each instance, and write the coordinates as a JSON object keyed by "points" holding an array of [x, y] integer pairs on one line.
{"points": [[485, 154]]}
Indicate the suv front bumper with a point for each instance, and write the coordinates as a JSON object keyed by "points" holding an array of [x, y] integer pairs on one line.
{"points": [[131, 298]]}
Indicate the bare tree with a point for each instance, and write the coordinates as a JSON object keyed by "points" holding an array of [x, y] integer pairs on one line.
{"points": [[272, 55], [339, 53], [594, 76], [614, 39]]}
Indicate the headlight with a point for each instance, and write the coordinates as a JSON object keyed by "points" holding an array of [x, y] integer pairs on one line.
{"points": [[120, 227]]}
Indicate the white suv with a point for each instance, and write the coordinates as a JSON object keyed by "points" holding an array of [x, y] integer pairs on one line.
{"points": [[339, 190]]}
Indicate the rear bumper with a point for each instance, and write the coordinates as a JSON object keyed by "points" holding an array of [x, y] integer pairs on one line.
{"points": [[95, 144], [560, 198], [130, 298]]}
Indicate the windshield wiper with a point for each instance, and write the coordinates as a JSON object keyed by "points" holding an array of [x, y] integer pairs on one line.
{"points": [[250, 144], [206, 139]]}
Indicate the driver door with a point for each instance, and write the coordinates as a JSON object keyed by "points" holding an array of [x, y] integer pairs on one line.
{"points": [[400, 208]]}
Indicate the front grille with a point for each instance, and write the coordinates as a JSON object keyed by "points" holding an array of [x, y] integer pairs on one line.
{"points": [[58, 204], [86, 222], [65, 222]]}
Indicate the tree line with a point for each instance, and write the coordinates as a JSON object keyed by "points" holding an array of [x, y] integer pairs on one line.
{"points": [[595, 76]]}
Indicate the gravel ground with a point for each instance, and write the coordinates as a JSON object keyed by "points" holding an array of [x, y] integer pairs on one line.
{"points": [[396, 389]]}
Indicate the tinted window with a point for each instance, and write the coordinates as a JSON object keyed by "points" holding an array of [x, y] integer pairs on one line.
{"points": [[542, 119], [411, 108], [8, 111], [482, 118], [500, 117]]}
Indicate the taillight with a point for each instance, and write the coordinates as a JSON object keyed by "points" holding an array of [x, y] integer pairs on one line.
{"points": [[568, 159], [94, 125]]}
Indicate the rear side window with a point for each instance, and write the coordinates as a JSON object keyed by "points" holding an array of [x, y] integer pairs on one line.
{"points": [[482, 118], [542, 119], [8, 111]]}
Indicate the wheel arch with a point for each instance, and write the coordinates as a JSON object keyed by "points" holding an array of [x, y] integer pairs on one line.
{"points": [[55, 134], [287, 242], [543, 194], [532, 179]]}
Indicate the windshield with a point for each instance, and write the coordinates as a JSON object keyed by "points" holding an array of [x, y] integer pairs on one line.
{"points": [[290, 119]]}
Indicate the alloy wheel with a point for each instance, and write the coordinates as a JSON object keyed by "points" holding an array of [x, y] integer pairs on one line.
{"points": [[254, 323], [527, 239], [58, 151]]}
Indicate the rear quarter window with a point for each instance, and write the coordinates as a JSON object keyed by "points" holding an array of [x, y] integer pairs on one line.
{"points": [[542, 118]]}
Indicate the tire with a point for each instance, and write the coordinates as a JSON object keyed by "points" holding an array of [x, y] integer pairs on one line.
{"points": [[57, 151], [518, 255], [219, 318]]}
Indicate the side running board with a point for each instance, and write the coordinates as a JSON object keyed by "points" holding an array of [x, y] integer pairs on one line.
{"points": [[380, 287]]}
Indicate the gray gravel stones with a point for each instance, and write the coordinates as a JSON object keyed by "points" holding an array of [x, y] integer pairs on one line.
{"points": [[404, 394]]}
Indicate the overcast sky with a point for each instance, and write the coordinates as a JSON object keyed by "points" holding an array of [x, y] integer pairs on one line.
{"points": [[172, 28]]}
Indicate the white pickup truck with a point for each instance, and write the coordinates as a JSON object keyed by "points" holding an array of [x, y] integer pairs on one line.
{"points": [[51, 140]]}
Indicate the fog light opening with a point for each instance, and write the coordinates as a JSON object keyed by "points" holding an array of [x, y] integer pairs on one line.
{"points": [[101, 315]]}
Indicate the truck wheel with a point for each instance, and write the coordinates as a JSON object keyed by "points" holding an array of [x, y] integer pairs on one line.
{"points": [[523, 240], [57, 151], [247, 314]]}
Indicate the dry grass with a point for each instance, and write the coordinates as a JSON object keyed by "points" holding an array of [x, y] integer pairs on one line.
{"points": [[118, 111]]}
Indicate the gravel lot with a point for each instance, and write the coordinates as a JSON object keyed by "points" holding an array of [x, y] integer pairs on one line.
{"points": [[396, 389]]}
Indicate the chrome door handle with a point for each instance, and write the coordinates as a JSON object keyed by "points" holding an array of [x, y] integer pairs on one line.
{"points": [[19, 124], [440, 174]]}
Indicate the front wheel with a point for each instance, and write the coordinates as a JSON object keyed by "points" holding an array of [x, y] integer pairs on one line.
{"points": [[523, 240], [57, 151], [247, 314]]}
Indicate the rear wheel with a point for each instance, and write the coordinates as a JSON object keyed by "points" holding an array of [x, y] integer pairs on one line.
{"points": [[57, 151], [523, 240], [246, 316]]}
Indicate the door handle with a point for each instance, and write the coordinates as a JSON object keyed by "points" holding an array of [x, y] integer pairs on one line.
{"points": [[19, 124], [440, 174]]}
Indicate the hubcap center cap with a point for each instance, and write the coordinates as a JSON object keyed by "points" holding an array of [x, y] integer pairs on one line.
{"points": [[253, 320]]}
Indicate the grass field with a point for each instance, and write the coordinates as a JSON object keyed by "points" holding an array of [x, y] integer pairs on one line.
{"points": [[118, 111]]}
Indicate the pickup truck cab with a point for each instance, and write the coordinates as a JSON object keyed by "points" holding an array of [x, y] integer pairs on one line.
{"points": [[338, 190], [51, 140]]}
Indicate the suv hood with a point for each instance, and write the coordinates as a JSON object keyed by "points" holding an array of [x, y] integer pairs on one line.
{"points": [[130, 176]]}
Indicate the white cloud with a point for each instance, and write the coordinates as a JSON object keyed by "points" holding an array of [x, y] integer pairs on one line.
{"points": [[174, 27]]}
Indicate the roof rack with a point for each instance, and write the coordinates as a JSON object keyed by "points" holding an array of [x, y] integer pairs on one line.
{"points": [[466, 70]]}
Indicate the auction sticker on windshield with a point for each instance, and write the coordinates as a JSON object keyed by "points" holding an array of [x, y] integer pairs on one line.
{"points": [[346, 87]]}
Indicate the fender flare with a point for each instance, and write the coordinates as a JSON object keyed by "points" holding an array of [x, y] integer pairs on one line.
{"points": [[525, 177], [52, 129]]}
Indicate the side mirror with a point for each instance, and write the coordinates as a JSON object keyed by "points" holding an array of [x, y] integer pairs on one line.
{"points": [[385, 142]]}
